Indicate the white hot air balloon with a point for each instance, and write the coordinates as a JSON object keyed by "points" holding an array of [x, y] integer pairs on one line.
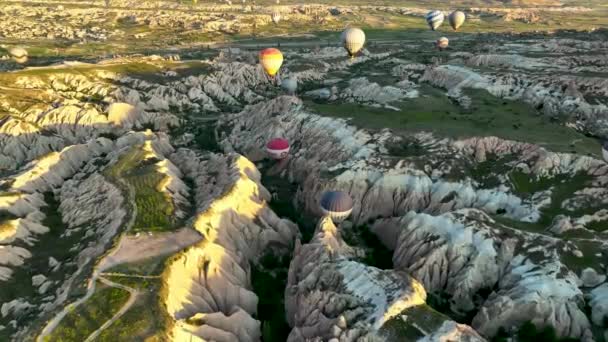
{"points": [[456, 19], [353, 40], [19, 54], [276, 17], [442, 43], [290, 85], [435, 19]]}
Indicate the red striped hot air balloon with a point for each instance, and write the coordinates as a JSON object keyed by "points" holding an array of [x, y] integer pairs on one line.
{"points": [[277, 148], [271, 60]]}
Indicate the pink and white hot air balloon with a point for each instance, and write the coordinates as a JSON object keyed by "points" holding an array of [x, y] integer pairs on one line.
{"points": [[278, 148]]}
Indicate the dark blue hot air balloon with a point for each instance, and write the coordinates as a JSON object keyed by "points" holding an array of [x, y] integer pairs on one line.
{"points": [[337, 204]]}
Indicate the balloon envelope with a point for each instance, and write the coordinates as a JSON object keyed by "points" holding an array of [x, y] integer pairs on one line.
{"points": [[276, 17], [271, 60], [18, 52], [435, 19], [442, 43], [290, 85], [278, 148], [353, 40], [337, 204], [456, 19]]}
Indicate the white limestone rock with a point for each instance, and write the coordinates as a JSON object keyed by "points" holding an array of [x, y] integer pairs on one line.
{"points": [[591, 278], [212, 278]]}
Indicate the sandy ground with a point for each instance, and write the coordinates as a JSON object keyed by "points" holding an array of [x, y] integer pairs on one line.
{"points": [[132, 249]]}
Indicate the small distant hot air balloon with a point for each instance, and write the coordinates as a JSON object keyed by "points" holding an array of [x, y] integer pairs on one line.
{"points": [[276, 17], [442, 43], [353, 40], [271, 60], [605, 150], [435, 19], [278, 148], [456, 19], [337, 204], [290, 85], [19, 54]]}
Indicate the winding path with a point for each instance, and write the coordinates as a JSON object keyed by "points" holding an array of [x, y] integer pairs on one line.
{"points": [[54, 322], [122, 311]]}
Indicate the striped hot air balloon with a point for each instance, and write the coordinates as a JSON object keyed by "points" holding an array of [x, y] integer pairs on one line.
{"points": [[276, 17], [278, 148], [271, 60], [337, 204], [442, 43], [456, 19], [353, 40], [435, 19], [605, 150]]}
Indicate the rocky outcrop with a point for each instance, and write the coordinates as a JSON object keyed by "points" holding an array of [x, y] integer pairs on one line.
{"points": [[464, 257], [542, 92], [50, 171], [598, 300], [361, 90], [467, 254], [330, 296], [352, 159], [209, 293]]}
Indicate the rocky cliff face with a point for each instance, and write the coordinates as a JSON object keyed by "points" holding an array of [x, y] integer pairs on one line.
{"points": [[331, 297], [209, 293], [471, 254], [352, 157]]}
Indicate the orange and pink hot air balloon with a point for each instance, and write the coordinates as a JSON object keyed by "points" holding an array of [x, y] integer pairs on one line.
{"points": [[271, 60], [278, 148]]}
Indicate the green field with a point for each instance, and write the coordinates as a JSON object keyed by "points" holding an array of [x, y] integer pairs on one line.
{"points": [[145, 320], [155, 209], [418, 320], [86, 318], [489, 116]]}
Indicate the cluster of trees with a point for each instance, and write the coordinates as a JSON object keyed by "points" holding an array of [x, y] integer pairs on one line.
{"points": [[528, 332]]}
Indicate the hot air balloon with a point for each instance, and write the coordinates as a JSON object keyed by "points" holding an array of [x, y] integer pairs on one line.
{"points": [[277, 148], [276, 17], [456, 19], [19, 54], [435, 19], [271, 60], [290, 85], [337, 204], [605, 150], [442, 43], [353, 40]]}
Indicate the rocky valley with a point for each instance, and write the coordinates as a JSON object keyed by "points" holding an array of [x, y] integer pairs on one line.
{"points": [[139, 200]]}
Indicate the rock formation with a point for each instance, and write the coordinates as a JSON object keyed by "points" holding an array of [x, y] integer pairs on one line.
{"points": [[330, 296], [209, 293]]}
